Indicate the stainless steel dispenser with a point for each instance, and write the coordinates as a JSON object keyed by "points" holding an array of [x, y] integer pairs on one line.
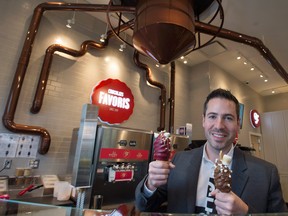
{"points": [[121, 159], [108, 161]]}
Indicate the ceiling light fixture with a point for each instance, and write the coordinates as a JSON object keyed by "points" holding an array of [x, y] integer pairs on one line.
{"points": [[122, 47], [103, 37], [71, 21], [251, 66]]}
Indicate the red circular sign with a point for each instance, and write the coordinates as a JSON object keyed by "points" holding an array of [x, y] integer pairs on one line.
{"points": [[255, 118], [114, 99]]}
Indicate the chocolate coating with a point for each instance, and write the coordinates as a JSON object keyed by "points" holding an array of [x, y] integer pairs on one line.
{"points": [[222, 177], [162, 147]]}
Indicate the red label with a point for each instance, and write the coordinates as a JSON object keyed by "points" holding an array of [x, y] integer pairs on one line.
{"points": [[123, 175], [255, 118], [114, 99], [114, 153]]}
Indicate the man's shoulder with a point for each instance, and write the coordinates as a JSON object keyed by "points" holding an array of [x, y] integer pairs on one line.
{"points": [[253, 160]]}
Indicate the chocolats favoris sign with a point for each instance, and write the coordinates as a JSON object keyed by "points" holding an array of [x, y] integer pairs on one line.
{"points": [[114, 99], [255, 118]]}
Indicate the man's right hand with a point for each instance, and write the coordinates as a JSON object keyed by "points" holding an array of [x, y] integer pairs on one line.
{"points": [[158, 174]]}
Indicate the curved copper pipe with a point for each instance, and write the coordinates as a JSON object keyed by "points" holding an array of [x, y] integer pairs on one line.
{"points": [[42, 83], [172, 98], [12, 101], [8, 116], [245, 39], [154, 83]]}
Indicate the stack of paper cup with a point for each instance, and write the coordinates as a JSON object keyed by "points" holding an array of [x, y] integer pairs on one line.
{"points": [[62, 190], [3, 184]]}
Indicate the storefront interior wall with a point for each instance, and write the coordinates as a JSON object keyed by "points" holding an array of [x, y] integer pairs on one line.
{"points": [[71, 81]]}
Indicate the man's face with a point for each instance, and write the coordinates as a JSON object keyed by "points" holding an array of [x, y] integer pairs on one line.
{"points": [[220, 123]]}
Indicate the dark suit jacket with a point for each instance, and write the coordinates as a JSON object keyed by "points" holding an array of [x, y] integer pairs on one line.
{"points": [[254, 180]]}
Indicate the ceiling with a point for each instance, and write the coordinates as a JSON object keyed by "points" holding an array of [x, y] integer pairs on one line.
{"points": [[263, 19]]}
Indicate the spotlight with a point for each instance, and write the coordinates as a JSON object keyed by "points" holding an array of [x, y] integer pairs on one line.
{"points": [[122, 47], [71, 21], [103, 37]]}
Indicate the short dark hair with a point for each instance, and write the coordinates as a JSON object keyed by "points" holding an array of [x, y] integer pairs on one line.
{"points": [[222, 93]]}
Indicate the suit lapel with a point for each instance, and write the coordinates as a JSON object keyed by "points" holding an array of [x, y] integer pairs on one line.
{"points": [[196, 159], [239, 178]]}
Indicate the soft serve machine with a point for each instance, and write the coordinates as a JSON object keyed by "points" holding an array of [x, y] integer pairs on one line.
{"points": [[121, 158], [110, 161]]}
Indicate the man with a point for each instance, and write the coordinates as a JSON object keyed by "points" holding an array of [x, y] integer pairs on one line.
{"points": [[186, 184]]}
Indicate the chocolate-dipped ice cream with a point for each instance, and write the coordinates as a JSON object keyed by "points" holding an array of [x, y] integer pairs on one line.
{"points": [[162, 147], [222, 173]]}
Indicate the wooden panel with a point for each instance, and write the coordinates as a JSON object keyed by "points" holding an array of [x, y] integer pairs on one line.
{"points": [[280, 139], [275, 142], [268, 138]]}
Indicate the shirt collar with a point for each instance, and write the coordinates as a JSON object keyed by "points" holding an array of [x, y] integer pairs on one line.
{"points": [[205, 156], [206, 159]]}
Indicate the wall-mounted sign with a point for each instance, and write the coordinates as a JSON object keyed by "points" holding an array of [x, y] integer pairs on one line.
{"points": [[114, 99], [255, 118]]}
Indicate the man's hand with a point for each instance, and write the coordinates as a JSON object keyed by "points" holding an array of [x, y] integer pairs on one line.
{"points": [[229, 203], [158, 174]]}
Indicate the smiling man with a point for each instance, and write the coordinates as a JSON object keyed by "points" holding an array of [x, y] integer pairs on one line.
{"points": [[186, 184]]}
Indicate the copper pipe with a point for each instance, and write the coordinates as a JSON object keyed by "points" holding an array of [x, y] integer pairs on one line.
{"points": [[12, 101], [154, 83], [245, 39], [45, 71], [172, 98], [8, 116], [42, 83]]}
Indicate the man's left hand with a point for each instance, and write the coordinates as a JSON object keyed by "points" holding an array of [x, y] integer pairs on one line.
{"points": [[229, 203]]}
